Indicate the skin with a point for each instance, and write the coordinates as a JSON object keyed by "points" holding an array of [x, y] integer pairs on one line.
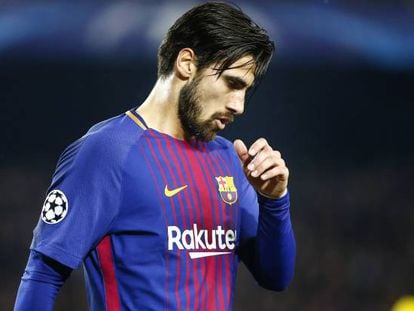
{"points": [[220, 100]]}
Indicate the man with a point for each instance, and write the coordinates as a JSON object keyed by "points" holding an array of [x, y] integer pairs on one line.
{"points": [[157, 207]]}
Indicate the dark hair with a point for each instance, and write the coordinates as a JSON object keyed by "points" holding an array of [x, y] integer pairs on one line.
{"points": [[218, 33]]}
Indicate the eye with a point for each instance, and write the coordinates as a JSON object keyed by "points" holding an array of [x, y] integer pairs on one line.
{"points": [[234, 84], [230, 83]]}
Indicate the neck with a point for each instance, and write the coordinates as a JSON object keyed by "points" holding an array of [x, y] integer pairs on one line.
{"points": [[160, 108]]}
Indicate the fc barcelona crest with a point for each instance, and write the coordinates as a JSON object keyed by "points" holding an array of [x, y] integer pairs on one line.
{"points": [[227, 189]]}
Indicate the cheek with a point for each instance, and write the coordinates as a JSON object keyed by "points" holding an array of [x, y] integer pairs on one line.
{"points": [[213, 96], [213, 99], [209, 92], [210, 106]]}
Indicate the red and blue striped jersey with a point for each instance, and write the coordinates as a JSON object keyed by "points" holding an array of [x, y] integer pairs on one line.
{"points": [[160, 223]]}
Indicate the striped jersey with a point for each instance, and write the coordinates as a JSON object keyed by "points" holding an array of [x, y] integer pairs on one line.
{"points": [[159, 223]]}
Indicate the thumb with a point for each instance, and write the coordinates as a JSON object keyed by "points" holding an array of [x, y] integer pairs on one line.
{"points": [[241, 150]]}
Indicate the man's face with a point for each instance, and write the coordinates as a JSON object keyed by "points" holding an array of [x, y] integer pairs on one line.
{"points": [[207, 103]]}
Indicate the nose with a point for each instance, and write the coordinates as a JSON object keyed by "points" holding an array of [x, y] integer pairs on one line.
{"points": [[236, 103]]}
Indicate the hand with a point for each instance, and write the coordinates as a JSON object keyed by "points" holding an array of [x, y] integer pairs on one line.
{"points": [[264, 168]]}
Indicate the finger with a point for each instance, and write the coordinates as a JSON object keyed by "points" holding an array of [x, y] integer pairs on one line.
{"points": [[267, 164], [283, 172], [257, 146], [241, 150], [261, 156]]}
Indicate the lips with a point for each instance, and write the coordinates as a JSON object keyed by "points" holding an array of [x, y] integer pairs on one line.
{"points": [[222, 122], [222, 119]]}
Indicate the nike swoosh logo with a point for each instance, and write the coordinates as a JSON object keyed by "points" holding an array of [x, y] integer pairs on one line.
{"points": [[196, 255], [173, 192]]}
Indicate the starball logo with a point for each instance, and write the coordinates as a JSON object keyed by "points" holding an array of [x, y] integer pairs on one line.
{"points": [[202, 243]]}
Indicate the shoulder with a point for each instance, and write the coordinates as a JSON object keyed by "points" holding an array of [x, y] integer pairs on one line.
{"points": [[106, 142], [113, 133]]}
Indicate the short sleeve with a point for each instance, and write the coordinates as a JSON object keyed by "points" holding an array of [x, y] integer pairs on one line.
{"points": [[83, 200]]}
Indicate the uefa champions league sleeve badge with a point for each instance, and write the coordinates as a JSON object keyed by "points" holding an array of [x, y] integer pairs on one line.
{"points": [[55, 207]]}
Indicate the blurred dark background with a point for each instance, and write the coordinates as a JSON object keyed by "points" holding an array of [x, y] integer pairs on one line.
{"points": [[337, 102]]}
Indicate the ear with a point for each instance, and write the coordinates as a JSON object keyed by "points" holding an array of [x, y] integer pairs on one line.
{"points": [[185, 67]]}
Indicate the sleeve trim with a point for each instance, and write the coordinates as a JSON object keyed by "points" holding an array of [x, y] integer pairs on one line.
{"points": [[59, 255]]}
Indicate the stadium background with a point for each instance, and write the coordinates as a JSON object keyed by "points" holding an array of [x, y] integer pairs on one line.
{"points": [[337, 101]]}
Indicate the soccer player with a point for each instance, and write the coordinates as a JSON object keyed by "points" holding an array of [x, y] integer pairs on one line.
{"points": [[159, 209]]}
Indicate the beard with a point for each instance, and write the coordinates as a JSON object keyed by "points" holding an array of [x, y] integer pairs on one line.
{"points": [[189, 112]]}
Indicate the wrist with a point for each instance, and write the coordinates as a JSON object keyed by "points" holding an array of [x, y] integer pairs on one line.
{"points": [[283, 194]]}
